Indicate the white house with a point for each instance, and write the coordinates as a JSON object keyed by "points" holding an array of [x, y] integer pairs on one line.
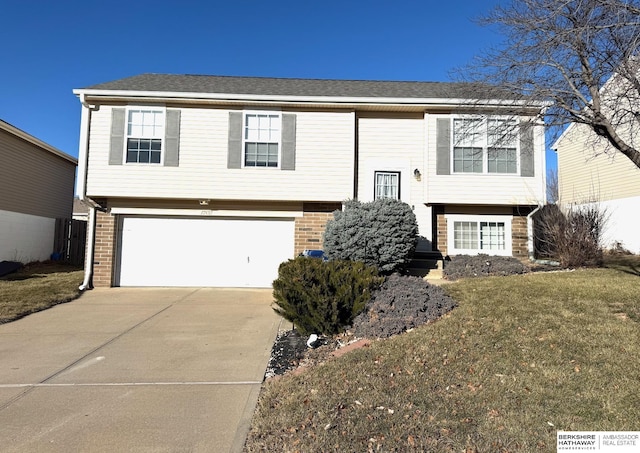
{"points": [[213, 181]]}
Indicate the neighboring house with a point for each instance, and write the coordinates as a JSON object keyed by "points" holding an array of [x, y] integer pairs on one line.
{"points": [[591, 172], [214, 181], [36, 188]]}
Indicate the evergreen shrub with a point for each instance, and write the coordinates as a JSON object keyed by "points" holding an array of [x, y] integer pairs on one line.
{"points": [[381, 233], [323, 297]]}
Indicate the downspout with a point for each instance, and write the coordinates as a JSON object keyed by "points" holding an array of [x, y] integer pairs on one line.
{"points": [[81, 189], [530, 234]]}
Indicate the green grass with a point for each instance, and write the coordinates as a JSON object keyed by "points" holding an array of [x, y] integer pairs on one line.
{"points": [[37, 287], [520, 358]]}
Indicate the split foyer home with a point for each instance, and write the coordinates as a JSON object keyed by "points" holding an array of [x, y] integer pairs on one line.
{"points": [[214, 181], [36, 188]]}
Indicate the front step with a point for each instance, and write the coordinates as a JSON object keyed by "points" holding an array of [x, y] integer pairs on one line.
{"points": [[428, 265]]}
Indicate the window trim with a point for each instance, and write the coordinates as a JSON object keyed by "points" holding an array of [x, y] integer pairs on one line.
{"points": [[508, 240], [390, 172], [485, 144], [245, 113], [138, 107]]}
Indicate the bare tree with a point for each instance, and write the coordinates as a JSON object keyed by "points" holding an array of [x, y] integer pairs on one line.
{"points": [[580, 56], [553, 190]]}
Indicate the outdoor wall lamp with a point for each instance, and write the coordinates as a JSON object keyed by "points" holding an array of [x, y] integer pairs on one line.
{"points": [[417, 174]]}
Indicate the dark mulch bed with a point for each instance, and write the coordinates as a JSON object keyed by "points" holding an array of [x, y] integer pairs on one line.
{"points": [[287, 352], [402, 303]]}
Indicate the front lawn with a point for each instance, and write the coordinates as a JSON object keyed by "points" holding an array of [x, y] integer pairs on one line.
{"points": [[519, 358], [37, 287]]}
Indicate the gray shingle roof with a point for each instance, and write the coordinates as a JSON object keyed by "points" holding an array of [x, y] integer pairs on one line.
{"points": [[298, 87]]}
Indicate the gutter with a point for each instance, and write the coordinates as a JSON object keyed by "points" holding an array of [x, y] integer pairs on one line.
{"points": [[81, 190], [350, 101]]}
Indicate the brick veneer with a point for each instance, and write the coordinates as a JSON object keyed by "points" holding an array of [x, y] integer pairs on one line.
{"points": [[519, 237], [441, 232], [104, 251], [310, 227]]}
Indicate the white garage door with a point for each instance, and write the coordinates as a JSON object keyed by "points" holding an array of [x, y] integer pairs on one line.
{"points": [[203, 251]]}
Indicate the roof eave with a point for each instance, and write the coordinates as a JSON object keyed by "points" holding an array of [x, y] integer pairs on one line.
{"points": [[36, 141], [285, 99]]}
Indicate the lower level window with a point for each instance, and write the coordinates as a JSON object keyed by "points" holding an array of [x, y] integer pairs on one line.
{"points": [[387, 185], [485, 236]]}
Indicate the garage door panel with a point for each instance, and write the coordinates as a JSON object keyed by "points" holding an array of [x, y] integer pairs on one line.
{"points": [[203, 252]]}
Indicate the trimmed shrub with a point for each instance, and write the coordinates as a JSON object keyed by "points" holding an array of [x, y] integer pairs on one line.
{"points": [[464, 266], [401, 303], [381, 233], [322, 297]]}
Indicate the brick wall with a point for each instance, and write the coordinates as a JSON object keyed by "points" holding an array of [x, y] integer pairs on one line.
{"points": [[104, 251], [441, 233], [310, 227], [519, 237]]}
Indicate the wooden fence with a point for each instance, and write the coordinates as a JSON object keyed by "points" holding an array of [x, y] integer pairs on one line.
{"points": [[70, 240]]}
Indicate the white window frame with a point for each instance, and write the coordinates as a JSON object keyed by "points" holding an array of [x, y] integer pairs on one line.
{"points": [[508, 242], [387, 172], [155, 136], [484, 144], [245, 115]]}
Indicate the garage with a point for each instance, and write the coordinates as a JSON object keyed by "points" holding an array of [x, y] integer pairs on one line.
{"points": [[188, 251]]}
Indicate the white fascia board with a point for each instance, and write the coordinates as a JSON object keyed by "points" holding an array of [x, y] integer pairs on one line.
{"points": [[35, 141], [554, 145], [205, 212], [242, 98]]}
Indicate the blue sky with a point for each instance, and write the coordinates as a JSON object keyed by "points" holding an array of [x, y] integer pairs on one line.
{"points": [[50, 48]]}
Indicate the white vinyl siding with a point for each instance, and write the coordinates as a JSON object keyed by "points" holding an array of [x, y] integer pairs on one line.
{"points": [[394, 143], [25, 237], [483, 188], [470, 235], [323, 169]]}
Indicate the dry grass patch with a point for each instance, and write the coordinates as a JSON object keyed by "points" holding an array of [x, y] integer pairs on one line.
{"points": [[37, 287], [521, 357]]}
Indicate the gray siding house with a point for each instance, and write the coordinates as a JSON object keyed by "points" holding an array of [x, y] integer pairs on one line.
{"points": [[36, 188]]}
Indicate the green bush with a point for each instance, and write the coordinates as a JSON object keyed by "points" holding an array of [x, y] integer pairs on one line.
{"points": [[323, 297], [381, 233]]}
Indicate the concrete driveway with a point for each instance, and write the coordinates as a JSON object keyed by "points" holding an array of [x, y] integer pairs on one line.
{"points": [[136, 370]]}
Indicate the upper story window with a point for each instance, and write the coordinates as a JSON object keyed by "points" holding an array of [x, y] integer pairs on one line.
{"points": [[485, 145], [387, 185], [262, 132], [145, 132]]}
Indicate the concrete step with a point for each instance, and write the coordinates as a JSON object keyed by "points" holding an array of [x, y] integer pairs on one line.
{"points": [[428, 265]]}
